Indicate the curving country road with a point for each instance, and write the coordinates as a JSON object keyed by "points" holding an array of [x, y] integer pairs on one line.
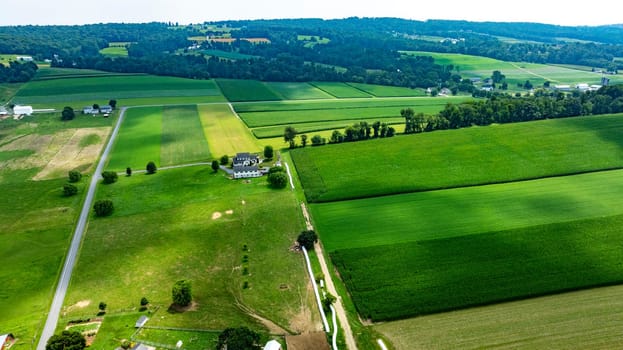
{"points": [[63, 281]]}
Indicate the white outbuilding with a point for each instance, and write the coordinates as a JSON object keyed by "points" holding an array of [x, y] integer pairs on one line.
{"points": [[22, 110], [272, 345]]}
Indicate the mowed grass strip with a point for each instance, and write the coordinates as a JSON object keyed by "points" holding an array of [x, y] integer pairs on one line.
{"points": [[456, 158], [226, 134], [584, 319], [246, 90], [182, 139], [193, 226], [139, 139], [410, 279], [297, 91], [469, 210], [341, 90]]}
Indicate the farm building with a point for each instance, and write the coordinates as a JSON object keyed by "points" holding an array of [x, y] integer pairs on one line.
{"points": [[245, 159], [141, 321], [582, 86], [3, 111], [105, 109], [562, 87], [24, 58], [89, 110], [272, 345], [243, 172], [27, 110], [6, 340]]}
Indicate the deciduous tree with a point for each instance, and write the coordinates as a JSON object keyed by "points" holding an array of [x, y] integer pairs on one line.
{"points": [[289, 135], [103, 207], [66, 340], [268, 152], [307, 239], [277, 179], [182, 293], [68, 113], [109, 177], [74, 176], [241, 338], [215, 165], [69, 190], [151, 168]]}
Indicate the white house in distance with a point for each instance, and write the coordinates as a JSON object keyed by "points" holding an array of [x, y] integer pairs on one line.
{"points": [[272, 345], [22, 110]]}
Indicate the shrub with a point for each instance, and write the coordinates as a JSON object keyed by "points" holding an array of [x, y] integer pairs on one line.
{"points": [[151, 168], [74, 176], [224, 160], [182, 293], [278, 179], [103, 207], [69, 190], [109, 177], [268, 152], [307, 239]]}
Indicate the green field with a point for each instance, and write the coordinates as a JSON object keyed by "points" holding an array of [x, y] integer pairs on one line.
{"points": [[127, 90], [388, 91], [115, 51], [515, 72], [280, 113], [409, 279], [277, 131], [455, 158], [246, 90], [578, 320], [340, 90], [182, 139], [434, 215], [139, 140], [298, 91], [58, 73], [146, 245]]}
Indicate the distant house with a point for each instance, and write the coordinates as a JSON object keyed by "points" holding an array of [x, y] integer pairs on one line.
{"points": [[595, 87], [582, 86], [24, 58], [243, 172], [445, 92], [475, 80], [27, 110], [245, 159], [89, 110], [562, 87], [6, 340], [141, 321], [106, 109], [272, 345], [3, 111]]}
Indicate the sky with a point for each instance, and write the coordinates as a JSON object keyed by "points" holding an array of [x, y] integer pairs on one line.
{"points": [[569, 12]]}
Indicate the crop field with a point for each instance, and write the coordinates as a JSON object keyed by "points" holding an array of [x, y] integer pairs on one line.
{"points": [[198, 225], [59, 73], [445, 159], [297, 91], [182, 138], [226, 134], [127, 90], [579, 320], [115, 51], [247, 90], [517, 72], [281, 113], [402, 280], [432, 215], [388, 91], [340, 90]]}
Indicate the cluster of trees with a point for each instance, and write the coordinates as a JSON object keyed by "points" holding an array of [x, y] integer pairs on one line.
{"points": [[504, 108], [356, 132], [17, 72]]}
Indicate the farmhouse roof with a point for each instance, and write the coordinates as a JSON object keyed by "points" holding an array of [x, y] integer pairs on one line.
{"points": [[242, 168], [272, 345], [141, 321]]}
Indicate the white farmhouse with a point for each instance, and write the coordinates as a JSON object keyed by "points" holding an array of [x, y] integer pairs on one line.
{"points": [[243, 172], [22, 110]]}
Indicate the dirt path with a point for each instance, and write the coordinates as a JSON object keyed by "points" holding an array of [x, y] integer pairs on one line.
{"points": [[339, 307]]}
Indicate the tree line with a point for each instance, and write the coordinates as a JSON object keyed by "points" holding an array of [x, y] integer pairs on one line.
{"points": [[17, 72]]}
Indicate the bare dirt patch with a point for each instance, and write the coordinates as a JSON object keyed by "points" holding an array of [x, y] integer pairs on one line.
{"points": [[309, 341], [71, 155], [174, 308], [43, 146], [229, 212], [216, 215], [79, 305]]}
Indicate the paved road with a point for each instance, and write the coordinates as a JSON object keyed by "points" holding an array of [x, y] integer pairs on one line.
{"points": [[63, 281]]}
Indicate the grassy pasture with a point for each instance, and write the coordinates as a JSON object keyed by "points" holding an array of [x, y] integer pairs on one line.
{"points": [[276, 131], [455, 158], [340, 90], [388, 91], [145, 89], [298, 91], [139, 139], [191, 340], [247, 90], [182, 140], [57, 73], [149, 244], [115, 51], [409, 279], [433, 214], [516, 72], [584, 319], [226, 134]]}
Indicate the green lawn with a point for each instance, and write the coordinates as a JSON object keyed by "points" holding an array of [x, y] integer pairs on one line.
{"points": [[340, 90], [578, 320], [114, 51], [165, 228], [114, 328], [455, 158], [139, 139], [409, 279], [247, 90], [468, 210], [191, 340], [182, 139]]}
